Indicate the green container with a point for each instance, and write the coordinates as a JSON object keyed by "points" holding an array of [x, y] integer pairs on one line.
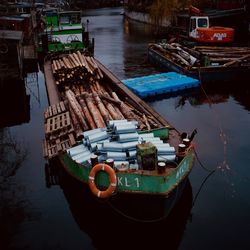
{"points": [[147, 156], [162, 133]]}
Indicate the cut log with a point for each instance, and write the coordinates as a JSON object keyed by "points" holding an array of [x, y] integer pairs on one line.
{"points": [[80, 58], [105, 114], [77, 59], [146, 122], [77, 128], [126, 111], [110, 99], [86, 113], [94, 111], [76, 107], [236, 61]]}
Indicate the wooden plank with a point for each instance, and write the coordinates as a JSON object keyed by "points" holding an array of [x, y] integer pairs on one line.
{"points": [[52, 151], [62, 106], [67, 120], [58, 145], [72, 139], [53, 147], [54, 109], [48, 126], [58, 125], [52, 91], [65, 145], [45, 149], [58, 108], [50, 111]]}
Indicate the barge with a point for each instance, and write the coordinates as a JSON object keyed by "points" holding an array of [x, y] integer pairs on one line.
{"points": [[205, 63], [63, 32], [104, 136]]}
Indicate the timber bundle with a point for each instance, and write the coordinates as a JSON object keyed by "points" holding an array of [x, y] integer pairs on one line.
{"points": [[204, 56], [74, 67], [90, 100]]}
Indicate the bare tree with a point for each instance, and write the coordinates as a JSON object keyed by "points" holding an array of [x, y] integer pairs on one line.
{"points": [[12, 155], [13, 207]]}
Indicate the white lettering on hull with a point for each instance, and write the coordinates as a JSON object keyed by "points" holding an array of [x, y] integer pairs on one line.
{"points": [[124, 181], [181, 171]]}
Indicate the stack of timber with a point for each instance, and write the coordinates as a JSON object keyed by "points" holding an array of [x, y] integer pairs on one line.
{"points": [[74, 68], [58, 130], [89, 102], [205, 63]]}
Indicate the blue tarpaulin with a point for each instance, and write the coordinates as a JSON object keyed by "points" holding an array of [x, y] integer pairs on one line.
{"points": [[160, 83]]}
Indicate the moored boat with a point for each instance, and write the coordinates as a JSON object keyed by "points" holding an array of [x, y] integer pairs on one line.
{"points": [[106, 137], [205, 63], [63, 32]]}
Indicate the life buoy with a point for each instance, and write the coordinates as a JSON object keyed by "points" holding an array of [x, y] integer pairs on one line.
{"points": [[112, 178], [3, 48]]}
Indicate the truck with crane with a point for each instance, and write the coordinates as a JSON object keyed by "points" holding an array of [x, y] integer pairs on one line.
{"points": [[197, 28]]}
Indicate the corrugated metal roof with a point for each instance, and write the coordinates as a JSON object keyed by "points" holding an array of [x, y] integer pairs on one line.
{"points": [[11, 35], [14, 18]]}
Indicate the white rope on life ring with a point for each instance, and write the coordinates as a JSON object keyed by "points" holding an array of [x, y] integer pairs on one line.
{"points": [[112, 178]]}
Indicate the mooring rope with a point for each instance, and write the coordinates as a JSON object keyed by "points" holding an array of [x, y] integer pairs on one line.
{"points": [[222, 134], [201, 186]]}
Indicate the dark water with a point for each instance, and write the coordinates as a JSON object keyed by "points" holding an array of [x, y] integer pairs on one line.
{"points": [[37, 217]]}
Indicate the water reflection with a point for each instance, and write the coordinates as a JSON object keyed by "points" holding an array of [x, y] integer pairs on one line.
{"points": [[208, 95], [12, 208], [212, 94], [14, 110], [14, 102], [110, 229], [137, 37]]}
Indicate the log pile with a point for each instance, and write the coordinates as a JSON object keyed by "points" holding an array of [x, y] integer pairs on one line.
{"points": [[74, 67], [89, 98], [226, 56], [202, 56]]}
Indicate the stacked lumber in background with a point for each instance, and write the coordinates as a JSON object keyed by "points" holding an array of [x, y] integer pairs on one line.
{"points": [[200, 56], [226, 56]]}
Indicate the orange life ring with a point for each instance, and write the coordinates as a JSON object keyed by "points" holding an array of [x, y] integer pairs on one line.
{"points": [[112, 178]]}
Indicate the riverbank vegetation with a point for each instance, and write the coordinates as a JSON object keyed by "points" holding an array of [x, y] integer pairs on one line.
{"points": [[160, 10]]}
